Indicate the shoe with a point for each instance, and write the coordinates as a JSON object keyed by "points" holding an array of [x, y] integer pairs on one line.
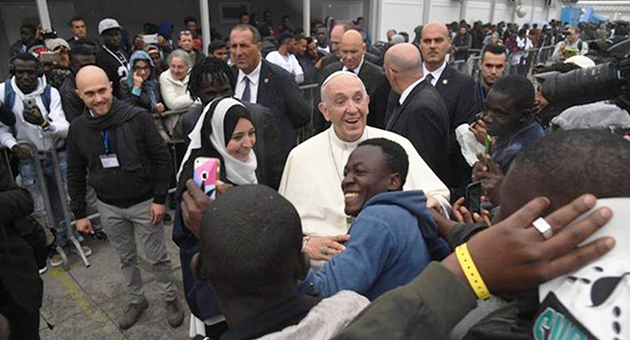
{"points": [[43, 270], [174, 314], [56, 260], [99, 235], [86, 250], [131, 314]]}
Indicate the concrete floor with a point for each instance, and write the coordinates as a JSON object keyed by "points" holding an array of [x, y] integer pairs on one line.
{"points": [[84, 303]]}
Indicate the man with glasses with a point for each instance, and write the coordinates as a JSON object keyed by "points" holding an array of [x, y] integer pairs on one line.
{"points": [[571, 46]]}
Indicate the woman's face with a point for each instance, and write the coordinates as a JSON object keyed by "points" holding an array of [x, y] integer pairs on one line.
{"points": [[242, 140], [178, 67], [143, 69]]}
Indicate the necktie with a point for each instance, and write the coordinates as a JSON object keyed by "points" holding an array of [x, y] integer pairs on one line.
{"points": [[429, 78], [247, 92]]}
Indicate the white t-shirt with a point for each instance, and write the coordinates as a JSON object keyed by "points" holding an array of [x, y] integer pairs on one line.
{"points": [[288, 62]]}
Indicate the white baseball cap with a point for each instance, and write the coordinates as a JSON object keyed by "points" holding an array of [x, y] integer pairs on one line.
{"points": [[107, 24]]}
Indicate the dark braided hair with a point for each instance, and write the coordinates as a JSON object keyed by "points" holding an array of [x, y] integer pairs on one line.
{"points": [[217, 69]]}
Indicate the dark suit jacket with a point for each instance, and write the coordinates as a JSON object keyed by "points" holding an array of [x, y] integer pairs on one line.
{"points": [[423, 119], [458, 92], [278, 92], [376, 85], [18, 268]]}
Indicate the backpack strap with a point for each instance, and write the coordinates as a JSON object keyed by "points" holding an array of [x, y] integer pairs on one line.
{"points": [[9, 95], [46, 98]]}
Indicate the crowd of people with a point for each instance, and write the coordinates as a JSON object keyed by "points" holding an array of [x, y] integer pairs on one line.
{"points": [[421, 192]]}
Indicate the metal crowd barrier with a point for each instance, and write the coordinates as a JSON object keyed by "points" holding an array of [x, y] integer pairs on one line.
{"points": [[69, 224], [308, 92]]}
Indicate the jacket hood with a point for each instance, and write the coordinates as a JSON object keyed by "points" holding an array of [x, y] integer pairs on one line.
{"points": [[39, 90], [415, 202]]}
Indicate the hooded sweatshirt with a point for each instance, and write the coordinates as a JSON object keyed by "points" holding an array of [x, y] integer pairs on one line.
{"points": [[145, 163], [391, 241], [41, 138]]}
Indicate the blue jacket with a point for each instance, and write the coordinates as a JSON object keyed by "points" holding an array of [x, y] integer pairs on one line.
{"points": [[506, 149], [392, 240]]}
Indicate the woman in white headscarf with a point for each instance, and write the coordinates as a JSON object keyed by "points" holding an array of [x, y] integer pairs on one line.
{"points": [[225, 130]]}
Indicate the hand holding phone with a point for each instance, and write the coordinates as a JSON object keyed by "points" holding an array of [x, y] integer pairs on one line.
{"points": [[473, 197], [206, 174]]}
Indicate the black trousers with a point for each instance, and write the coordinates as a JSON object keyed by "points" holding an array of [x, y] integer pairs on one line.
{"points": [[24, 325]]}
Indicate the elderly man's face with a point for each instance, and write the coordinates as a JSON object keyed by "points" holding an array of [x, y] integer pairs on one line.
{"points": [[186, 42], [245, 52], [346, 107], [352, 51]]}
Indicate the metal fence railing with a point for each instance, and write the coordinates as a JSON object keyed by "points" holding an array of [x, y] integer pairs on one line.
{"points": [[62, 194]]}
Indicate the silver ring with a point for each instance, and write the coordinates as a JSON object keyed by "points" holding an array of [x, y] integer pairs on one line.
{"points": [[324, 250], [543, 227]]}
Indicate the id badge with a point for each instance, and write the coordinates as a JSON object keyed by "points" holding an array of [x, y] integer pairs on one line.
{"points": [[109, 161]]}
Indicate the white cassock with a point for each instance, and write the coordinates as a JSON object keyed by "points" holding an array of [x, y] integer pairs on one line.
{"points": [[312, 177]]}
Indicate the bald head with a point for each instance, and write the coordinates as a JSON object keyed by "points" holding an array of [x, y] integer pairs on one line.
{"points": [[335, 35], [352, 49], [95, 89], [90, 74], [435, 27], [435, 43], [403, 66]]}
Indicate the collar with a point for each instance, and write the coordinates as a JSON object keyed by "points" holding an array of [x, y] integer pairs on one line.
{"points": [[408, 90], [436, 74], [357, 69], [39, 90], [286, 314], [253, 76], [346, 145]]}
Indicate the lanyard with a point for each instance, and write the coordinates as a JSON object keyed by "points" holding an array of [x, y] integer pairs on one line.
{"points": [[106, 141]]}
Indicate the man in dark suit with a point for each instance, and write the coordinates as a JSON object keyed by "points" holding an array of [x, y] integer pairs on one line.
{"points": [[352, 51], [422, 116], [261, 82], [21, 288], [457, 90]]}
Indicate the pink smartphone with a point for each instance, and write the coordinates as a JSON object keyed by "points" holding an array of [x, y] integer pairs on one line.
{"points": [[206, 174]]}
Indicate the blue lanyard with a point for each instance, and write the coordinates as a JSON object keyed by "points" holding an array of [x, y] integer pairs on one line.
{"points": [[106, 141]]}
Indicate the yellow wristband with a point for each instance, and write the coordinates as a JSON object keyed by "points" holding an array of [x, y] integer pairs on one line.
{"points": [[471, 272]]}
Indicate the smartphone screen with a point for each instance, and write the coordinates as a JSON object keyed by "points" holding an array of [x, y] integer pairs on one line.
{"points": [[473, 197], [206, 172]]}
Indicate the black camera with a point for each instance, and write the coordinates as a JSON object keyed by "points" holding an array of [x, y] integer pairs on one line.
{"points": [[606, 81]]}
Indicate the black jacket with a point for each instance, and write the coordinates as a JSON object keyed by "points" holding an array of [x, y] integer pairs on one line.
{"points": [[18, 269], [278, 92], [115, 186], [114, 69], [73, 106], [423, 119], [143, 101], [376, 85], [462, 104]]}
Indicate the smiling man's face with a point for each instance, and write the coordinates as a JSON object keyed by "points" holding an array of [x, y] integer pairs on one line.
{"points": [[365, 175], [345, 106]]}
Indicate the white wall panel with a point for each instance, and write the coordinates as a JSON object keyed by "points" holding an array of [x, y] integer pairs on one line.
{"points": [[444, 10], [401, 15], [477, 10], [503, 12]]}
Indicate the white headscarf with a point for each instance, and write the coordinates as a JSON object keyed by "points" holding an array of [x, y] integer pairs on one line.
{"points": [[237, 172]]}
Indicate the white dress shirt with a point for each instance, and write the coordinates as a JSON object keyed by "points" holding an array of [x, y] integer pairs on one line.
{"points": [[436, 74], [355, 70], [254, 78]]}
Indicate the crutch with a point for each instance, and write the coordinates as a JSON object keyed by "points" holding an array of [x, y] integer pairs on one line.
{"points": [[64, 205]]}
